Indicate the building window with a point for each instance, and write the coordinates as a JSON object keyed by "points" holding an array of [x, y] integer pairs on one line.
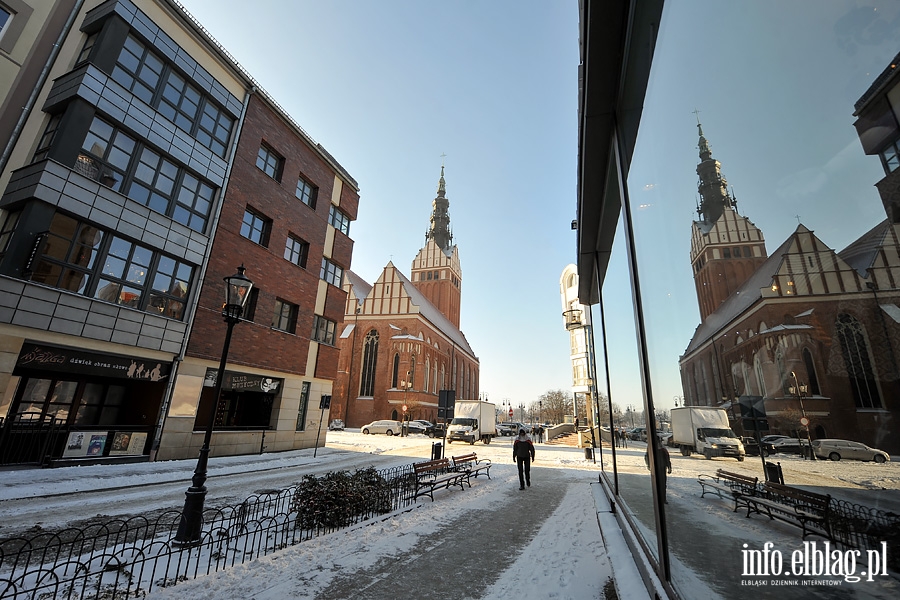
{"points": [[369, 364], [285, 317], [331, 273], [84, 259], [411, 375], [339, 220], [851, 336], [427, 374], [307, 192], [811, 373], [118, 161], [250, 307], [155, 82], [138, 69], [890, 157], [296, 250], [323, 330], [269, 162], [256, 228], [8, 222], [85, 53], [395, 371], [304, 406], [47, 138], [5, 17]]}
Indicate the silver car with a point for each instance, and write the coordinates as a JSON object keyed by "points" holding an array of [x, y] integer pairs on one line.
{"points": [[838, 449], [388, 427]]}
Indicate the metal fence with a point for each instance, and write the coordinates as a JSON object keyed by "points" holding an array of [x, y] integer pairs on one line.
{"points": [[127, 558], [30, 438], [857, 526]]}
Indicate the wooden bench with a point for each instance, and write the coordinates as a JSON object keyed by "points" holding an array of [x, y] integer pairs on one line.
{"points": [[435, 474], [472, 466], [808, 510], [735, 486]]}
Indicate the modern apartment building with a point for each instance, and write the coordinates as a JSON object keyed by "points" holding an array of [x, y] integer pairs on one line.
{"points": [[113, 192]]}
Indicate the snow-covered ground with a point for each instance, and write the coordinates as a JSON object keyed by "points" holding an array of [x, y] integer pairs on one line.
{"points": [[490, 541]]}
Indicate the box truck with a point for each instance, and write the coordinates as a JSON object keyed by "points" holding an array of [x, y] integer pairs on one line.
{"points": [[473, 420], [705, 430]]}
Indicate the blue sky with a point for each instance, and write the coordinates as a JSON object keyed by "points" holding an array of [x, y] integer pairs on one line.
{"points": [[387, 87]]}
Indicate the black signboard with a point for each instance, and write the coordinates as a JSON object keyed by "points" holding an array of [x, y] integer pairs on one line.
{"points": [[325, 402], [755, 424], [446, 403], [243, 382], [69, 360], [752, 407]]}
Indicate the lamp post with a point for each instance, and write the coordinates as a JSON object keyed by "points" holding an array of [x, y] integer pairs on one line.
{"points": [[405, 384], [631, 410], [540, 411], [803, 420], [237, 290], [522, 412], [678, 399]]}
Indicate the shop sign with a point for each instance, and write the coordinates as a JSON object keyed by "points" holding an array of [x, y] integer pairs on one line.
{"points": [[243, 382], [69, 360]]}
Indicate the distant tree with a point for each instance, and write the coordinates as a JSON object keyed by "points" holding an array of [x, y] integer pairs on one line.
{"points": [[555, 405]]}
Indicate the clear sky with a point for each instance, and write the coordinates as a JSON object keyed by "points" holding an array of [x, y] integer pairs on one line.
{"points": [[387, 87]]}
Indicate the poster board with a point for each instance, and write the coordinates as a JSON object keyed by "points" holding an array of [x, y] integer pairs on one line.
{"points": [[85, 443], [128, 443]]}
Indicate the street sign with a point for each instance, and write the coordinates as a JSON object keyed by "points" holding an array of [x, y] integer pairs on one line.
{"points": [[510, 413], [804, 421], [404, 408], [446, 402], [325, 402]]}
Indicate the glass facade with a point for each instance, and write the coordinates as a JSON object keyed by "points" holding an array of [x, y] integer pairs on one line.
{"points": [[750, 291]]}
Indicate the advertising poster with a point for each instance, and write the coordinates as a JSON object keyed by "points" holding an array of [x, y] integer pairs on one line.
{"points": [[75, 445], [95, 444], [120, 443]]}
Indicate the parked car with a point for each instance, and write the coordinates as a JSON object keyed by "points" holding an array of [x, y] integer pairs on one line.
{"points": [[638, 434], [771, 439], [387, 427], [790, 445], [506, 429], [336, 425], [838, 449], [417, 426], [752, 448]]}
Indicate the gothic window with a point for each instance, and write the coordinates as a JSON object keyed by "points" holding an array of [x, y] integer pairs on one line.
{"points": [[779, 364], [443, 376], [412, 372], [760, 379], [851, 335], [370, 360], [811, 373], [434, 379], [395, 371], [427, 374]]}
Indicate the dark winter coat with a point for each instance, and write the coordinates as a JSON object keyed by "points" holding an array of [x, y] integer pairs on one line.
{"points": [[523, 448]]}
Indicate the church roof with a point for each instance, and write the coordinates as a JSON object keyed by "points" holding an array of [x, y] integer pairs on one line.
{"points": [[861, 253], [742, 299], [426, 309]]}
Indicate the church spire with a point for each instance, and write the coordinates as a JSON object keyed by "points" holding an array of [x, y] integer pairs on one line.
{"points": [[439, 231], [713, 187]]}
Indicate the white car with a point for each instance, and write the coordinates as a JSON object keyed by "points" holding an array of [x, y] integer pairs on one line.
{"points": [[387, 427], [838, 449]]}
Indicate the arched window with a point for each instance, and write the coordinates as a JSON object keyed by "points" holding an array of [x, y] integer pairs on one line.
{"points": [[443, 376], [370, 362], [453, 376], [395, 371], [412, 372], [434, 379], [855, 350], [811, 373], [427, 374], [779, 365], [760, 378]]}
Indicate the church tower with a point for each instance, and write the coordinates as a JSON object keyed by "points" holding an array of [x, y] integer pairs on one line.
{"points": [[435, 270], [726, 248]]}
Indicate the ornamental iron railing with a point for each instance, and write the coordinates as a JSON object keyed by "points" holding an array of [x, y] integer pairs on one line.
{"points": [[128, 558]]}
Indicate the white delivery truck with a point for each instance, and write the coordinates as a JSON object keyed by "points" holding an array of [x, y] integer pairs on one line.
{"points": [[472, 420], [704, 429]]}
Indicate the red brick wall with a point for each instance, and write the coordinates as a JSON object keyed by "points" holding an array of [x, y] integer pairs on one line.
{"points": [[256, 344]]}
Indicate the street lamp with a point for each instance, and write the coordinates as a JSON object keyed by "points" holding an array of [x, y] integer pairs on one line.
{"points": [[540, 411], [237, 290], [405, 384], [804, 420], [678, 399], [631, 410]]}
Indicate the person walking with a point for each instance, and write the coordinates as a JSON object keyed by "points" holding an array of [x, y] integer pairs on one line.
{"points": [[523, 454], [663, 464]]}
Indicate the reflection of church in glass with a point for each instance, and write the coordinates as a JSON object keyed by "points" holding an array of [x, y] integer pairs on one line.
{"points": [[813, 331]]}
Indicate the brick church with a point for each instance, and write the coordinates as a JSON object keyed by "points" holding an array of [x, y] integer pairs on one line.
{"points": [[401, 343], [812, 330]]}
